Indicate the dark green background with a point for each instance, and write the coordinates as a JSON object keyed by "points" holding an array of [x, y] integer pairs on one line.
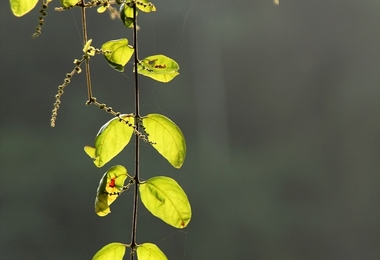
{"points": [[279, 105]]}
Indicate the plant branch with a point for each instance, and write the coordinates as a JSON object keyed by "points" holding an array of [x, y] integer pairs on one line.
{"points": [[137, 140], [87, 66]]}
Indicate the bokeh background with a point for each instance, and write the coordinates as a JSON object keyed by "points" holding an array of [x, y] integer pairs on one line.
{"points": [[279, 105]]}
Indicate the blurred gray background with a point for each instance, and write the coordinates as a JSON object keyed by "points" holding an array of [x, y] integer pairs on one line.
{"points": [[279, 105]]}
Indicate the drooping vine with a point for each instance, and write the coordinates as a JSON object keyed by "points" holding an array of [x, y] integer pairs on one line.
{"points": [[41, 20], [160, 195]]}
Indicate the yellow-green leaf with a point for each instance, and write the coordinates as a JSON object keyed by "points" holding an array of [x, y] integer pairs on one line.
{"points": [[102, 8], [145, 6], [166, 137], [166, 200], [69, 3], [90, 151], [126, 15], [117, 53], [22, 7], [88, 49], [149, 251], [111, 139], [158, 67], [112, 251], [109, 189]]}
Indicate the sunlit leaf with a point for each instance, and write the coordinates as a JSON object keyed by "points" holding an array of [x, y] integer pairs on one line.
{"points": [[90, 151], [126, 15], [88, 49], [117, 53], [158, 67], [22, 7], [165, 199], [145, 6], [103, 8], [109, 189], [69, 3], [166, 137], [149, 251], [111, 140], [112, 251]]}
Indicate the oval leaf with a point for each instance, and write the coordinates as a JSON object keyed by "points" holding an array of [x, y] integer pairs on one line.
{"points": [[109, 189], [22, 7], [145, 6], [102, 9], [166, 200], [166, 137], [111, 139], [112, 251], [158, 67], [117, 53], [69, 3], [149, 251]]}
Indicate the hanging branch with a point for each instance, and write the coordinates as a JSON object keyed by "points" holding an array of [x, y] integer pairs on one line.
{"points": [[162, 196], [137, 140]]}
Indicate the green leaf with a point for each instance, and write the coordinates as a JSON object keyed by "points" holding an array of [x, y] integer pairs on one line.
{"points": [[111, 140], [90, 151], [166, 200], [126, 15], [88, 49], [149, 251], [166, 137], [103, 8], [158, 67], [117, 53], [69, 3], [109, 189], [145, 6], [22, 7], [112, 251]]}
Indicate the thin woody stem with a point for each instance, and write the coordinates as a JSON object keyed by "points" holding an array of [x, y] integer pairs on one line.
{"points": [[87, 66], [137, 140]]}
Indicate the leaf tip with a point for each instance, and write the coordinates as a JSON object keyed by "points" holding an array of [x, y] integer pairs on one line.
{"points": [[90, 151]]}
